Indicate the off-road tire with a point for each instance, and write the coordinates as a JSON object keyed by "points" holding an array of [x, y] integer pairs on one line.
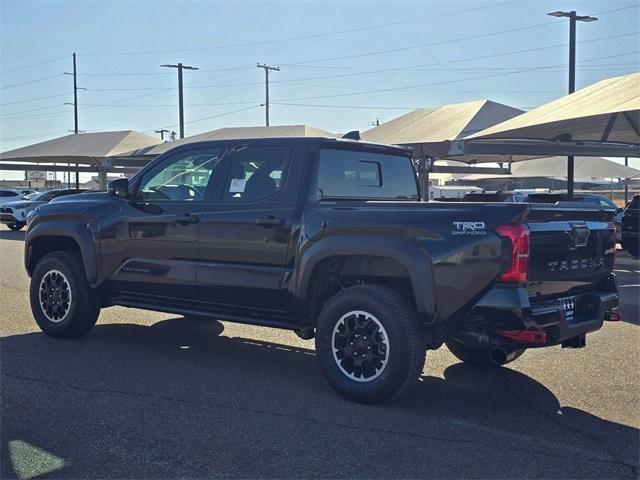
{"points": [[84, 305], [405, 338], [476, 356]]}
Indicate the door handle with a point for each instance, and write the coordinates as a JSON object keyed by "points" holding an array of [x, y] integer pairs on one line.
{"points": [[186, 219], [269, 221]]}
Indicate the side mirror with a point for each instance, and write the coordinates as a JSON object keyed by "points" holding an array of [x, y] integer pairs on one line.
{"points": [[118, 187]]}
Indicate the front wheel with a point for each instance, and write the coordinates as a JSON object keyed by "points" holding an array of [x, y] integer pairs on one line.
{"points": [[15, 226], [370, 344], [482, 357], [62, 301]]}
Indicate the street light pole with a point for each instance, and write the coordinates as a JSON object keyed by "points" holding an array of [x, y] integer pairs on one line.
{"points": [[180, 67], [573, 17]]}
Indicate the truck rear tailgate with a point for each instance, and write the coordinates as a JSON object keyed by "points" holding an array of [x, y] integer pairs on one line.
{"points": [[572, 249]]}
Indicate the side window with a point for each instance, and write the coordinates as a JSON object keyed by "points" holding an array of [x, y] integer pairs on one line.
{"points": [[256, 173], [365, 175], [186, 176]]}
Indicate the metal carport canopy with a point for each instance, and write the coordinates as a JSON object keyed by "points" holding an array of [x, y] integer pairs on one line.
{"points": [[600, 120], [92, 152]]}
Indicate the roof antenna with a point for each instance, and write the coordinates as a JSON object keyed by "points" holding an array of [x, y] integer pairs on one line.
{"points": [[352, 135]]}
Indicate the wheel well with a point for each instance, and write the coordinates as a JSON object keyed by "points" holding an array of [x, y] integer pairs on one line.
{"points": [[336, 273], [41, 246]]}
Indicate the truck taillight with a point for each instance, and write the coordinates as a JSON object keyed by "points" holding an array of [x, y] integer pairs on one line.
{"points": [[517, 271]]}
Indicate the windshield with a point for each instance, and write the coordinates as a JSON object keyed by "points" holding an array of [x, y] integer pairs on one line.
{"points": [[43, 196], [352, 174]]}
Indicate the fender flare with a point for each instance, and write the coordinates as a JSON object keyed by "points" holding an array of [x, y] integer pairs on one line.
{"points": [[74, 230], [414, 259]]}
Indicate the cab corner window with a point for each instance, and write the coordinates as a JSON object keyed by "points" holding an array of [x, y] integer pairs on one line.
{"points": [[185, 177], [256, 173]]}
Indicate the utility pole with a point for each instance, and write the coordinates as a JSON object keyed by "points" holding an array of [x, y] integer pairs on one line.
{"points": [[75, 119], [267, 69], [162, 131], [180, 67], [573, 18]]}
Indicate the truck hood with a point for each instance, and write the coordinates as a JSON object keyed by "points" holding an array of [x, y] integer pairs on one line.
{"points": [[94, 197], [87, 208]]}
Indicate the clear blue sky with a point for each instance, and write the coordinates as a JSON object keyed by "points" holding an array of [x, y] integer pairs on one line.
{"points": [[433, 60]]}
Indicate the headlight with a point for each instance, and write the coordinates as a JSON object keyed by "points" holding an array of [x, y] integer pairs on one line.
{"points": [[32, 214]]}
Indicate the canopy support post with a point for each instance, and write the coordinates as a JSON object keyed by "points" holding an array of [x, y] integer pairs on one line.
{"points": [[626, 183], [424, 164], [570, 177]]}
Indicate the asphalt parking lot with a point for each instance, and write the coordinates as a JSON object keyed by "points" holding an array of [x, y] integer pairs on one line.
{"points": [[148, 395]]}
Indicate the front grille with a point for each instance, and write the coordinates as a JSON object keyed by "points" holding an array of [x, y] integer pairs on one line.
{"points": [[6, 210]]}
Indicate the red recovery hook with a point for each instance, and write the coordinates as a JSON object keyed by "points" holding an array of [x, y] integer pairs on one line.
{"points": [[524, 336]]}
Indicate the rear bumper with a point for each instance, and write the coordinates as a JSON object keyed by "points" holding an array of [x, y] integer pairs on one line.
{"points": [[561, 318]]}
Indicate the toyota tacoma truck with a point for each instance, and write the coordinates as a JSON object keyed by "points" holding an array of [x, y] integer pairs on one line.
{"points": [[327, 238]]}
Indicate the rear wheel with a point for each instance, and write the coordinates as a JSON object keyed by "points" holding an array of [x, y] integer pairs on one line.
{"points": [[15, 226], [62, 301], [370, 344], [482, 357]]}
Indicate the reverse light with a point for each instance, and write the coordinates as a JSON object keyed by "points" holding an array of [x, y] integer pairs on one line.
{"points": [[518, 270]]}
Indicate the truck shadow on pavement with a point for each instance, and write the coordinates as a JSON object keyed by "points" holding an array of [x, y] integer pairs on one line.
{"points": [[177, 399]]}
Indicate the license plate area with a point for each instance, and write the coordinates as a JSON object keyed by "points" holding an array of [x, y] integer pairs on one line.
{"points": [[569, 306], [579, 308]]}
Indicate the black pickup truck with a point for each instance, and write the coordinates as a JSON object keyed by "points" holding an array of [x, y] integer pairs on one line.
{"points": [[328, 238]]}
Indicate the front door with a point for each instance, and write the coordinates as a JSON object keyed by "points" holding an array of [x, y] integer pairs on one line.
{"points": [[152, 250], [245, 233]]}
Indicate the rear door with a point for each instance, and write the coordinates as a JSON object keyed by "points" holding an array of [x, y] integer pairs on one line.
{"points": [[246, 230], [152, 248]]}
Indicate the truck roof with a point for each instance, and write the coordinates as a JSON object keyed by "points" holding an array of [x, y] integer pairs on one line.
{"points": [[312, 142]]}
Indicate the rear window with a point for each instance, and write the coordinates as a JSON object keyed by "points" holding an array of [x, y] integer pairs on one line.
{"points": [[365, 175]]}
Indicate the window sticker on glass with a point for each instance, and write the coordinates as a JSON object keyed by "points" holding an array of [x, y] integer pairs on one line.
{"points": [[237, 185]]}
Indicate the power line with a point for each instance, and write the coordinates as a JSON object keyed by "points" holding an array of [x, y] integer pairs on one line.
{"points": [[12, 114], [409, 87], [423, 45], [223, 114], [33, 65], [29, 100], [309, 36], [3, 87], [409, 67]]}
